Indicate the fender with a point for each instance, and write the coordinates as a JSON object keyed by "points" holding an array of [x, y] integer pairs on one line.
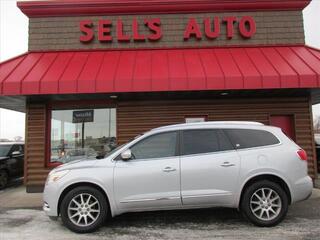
{"points": [[94, 181], [259, 172]]}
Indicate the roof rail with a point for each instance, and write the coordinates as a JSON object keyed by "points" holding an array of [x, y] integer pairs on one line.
{"points": [[212, 123]]}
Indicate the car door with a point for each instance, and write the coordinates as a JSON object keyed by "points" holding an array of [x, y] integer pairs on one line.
{"points": [[151, 179], [20, 160], [13, 161], [209, 168]]}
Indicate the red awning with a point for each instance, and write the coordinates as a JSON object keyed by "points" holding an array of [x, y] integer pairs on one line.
{"points": [[160, 70]]}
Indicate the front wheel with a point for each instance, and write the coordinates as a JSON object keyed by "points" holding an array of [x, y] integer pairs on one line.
{"points": [[264, 203], [84, 209]]}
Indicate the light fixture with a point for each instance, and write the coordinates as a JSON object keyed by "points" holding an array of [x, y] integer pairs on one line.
{"points": [[224, 94], [113, 96]]}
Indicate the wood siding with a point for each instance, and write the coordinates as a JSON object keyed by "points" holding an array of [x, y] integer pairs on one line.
{"points": [[35, 164], [135, 117]]}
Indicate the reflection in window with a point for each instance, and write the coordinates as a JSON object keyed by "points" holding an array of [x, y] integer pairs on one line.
{"points": [[82, 133], [156, 146]]}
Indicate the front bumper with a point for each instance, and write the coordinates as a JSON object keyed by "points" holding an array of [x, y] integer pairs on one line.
{"points": [[51, 199]]}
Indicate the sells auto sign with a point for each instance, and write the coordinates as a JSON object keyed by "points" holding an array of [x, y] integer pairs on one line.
{"points": [[109, 31]]}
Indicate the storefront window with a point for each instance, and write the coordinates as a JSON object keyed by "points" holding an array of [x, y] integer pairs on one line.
{"points": [[82, 133]]}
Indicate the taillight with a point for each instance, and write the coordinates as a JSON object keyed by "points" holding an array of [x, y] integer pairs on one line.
{"points": [[302, 154]]}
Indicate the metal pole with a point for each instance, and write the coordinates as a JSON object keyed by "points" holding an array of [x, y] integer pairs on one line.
{"points": [[0, 123], [82, 144], [109, 123]]}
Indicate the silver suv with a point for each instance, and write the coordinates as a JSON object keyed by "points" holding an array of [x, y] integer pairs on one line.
{"points": [[245, 165]]}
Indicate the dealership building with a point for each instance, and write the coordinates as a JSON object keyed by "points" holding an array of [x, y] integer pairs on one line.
{"points": [[98, 73]]}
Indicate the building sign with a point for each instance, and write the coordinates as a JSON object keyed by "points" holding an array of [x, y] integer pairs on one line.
{"points": [[109, 31], [195, 119], [82, 116]]}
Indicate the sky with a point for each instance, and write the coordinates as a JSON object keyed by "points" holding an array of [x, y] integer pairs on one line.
{"points": [[14, 41]]}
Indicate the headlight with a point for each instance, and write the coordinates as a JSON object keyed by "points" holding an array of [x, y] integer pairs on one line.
{"points": [[55, 176]]}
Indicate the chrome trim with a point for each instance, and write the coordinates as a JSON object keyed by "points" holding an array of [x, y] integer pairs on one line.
{"points": [[151, 133], [208, 153], [149, 199], [148, 159], [265, 146], [227, 164], [207, 195]]}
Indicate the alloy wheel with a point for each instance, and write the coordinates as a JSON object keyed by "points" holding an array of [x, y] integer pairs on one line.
{"points": [[84, 209], [265, 204]]}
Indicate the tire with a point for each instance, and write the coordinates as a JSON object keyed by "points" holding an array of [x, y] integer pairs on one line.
{"points": [[252, 206], [4, 178], [75, 205]]}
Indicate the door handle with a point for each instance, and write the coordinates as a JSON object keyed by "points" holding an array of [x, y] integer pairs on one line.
{"points": [[169, 169], [227, 164]]}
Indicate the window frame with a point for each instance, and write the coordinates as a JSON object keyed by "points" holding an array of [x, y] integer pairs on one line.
{"points": [[177, 148], [70, 105], [206, 153]]}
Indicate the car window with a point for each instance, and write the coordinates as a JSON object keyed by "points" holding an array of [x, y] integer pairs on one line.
{"points": [[156, 146], [248, 138], [4, 150], [17, 148], [204, 141], [21, 148]]}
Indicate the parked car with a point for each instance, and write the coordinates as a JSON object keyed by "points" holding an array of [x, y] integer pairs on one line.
{"points": [[11, 161], [245, 165]]}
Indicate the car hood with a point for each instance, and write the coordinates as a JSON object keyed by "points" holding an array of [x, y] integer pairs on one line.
{"points": [[77, 164], [3, 158]]}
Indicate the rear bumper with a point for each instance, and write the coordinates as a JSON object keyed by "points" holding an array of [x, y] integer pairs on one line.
{"points": [[302, 189]]}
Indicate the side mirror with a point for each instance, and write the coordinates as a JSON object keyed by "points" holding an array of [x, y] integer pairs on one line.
{"points": [[126, 155], [15, 153]]}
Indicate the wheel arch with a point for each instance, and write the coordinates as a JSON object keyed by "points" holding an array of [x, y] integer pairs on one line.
{"points": [[267, 176], [81, 184]]}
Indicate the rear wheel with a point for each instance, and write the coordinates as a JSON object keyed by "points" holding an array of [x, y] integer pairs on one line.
{"points": [[264, 203], [3, 179], [84, 209]]}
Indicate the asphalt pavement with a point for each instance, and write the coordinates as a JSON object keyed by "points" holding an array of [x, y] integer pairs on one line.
{"points": [[302, 222]]}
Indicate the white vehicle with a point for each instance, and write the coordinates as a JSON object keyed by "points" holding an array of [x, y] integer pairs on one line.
{"points": [[245, 165]]}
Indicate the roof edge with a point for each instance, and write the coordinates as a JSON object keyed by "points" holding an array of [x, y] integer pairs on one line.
{"points": [[312, 47], [13, 58], [114, 7]]}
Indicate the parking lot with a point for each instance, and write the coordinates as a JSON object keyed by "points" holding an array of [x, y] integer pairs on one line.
{"points": [[302, 222]]}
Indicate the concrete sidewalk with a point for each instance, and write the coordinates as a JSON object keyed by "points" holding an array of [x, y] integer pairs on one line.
{"points": [[301, 223], [16, 197]]}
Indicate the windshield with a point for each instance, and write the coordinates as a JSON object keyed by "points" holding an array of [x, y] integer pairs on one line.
{"points": [[4, 150]]}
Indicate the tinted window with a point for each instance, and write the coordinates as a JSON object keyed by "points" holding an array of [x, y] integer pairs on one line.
{"points": [[248, 138], [22, 148], [4, 150], [156, 146], [204, 141], [16, 148]]}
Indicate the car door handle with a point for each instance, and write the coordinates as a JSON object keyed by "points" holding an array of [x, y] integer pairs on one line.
{"points": [[227, 164], [169, 169]]}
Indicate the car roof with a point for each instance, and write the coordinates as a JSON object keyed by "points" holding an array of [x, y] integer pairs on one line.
{"points": [[210, 124]]}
